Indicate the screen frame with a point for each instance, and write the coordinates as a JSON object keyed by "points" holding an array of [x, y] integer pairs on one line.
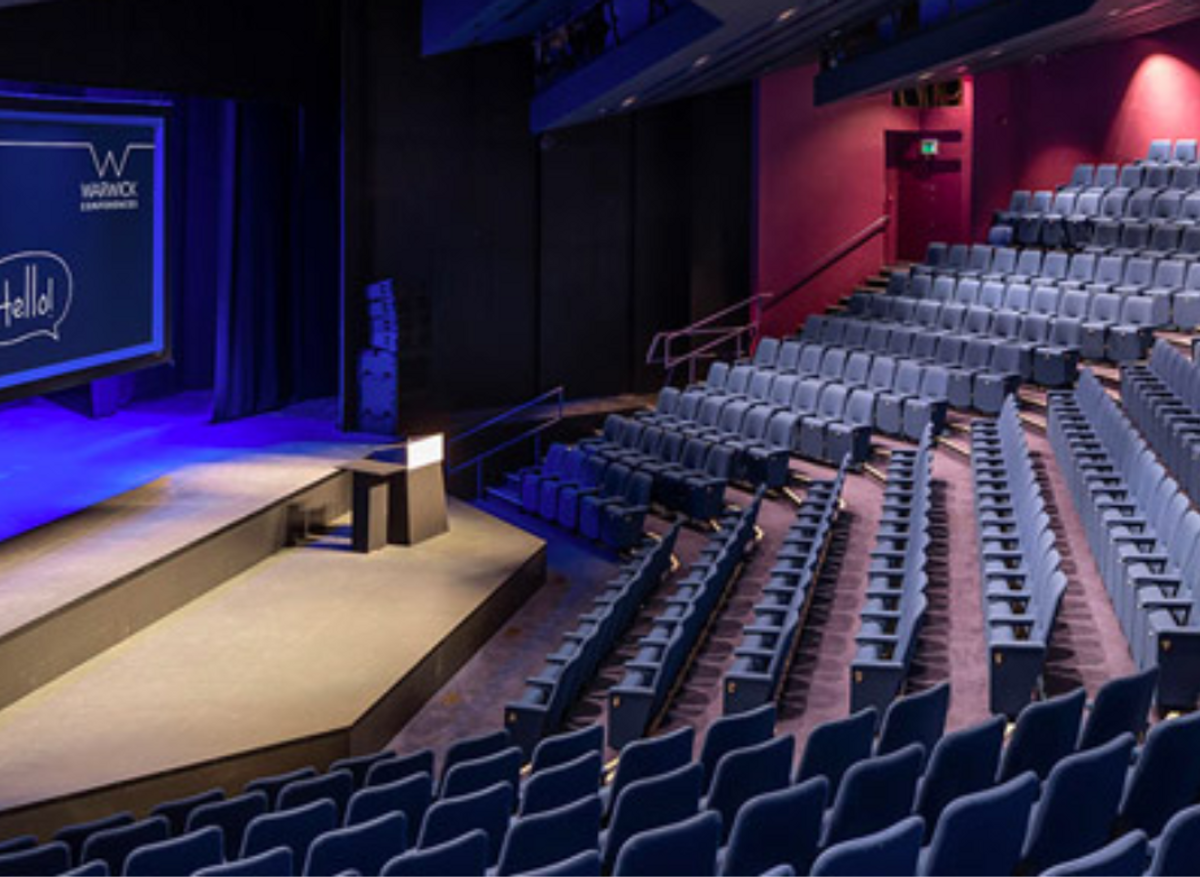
{"points": [[77, 106]]}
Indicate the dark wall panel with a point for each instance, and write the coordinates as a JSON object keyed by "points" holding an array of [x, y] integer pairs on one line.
{"points": [[448, 181], [587, 258]]}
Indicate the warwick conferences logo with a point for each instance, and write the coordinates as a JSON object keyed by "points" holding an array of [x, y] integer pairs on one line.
{"points": [[110, 194]]}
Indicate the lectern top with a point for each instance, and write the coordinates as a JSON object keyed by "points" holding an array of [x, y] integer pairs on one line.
{"points": [[378, 468]]}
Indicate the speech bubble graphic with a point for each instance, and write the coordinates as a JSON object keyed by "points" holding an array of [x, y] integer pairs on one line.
{"points": [[36, 291]]}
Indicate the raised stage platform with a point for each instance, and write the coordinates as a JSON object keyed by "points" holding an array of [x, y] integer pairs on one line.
{"points": [[167, 640]]}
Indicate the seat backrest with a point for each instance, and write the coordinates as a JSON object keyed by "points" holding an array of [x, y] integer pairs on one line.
{"points": [[917, 718], [983, 832], [476, 746], [410, 795], [891, 850], [295, 829], [783, 826], [1078, 805], [1106, 176], [1017, 296], [231, 816], [1138, 311], [1106, 307], [1045, 300], [268, 864], [735, 732], [1131, 176], [833, 747], [464, 854], [883, 373], [1030, 263], [1004, 260], [1160, 151], [364, 848], [1045, 733], [1135, 235], [688, 846], [962, 763], [336, 786], [488, 810], [874, 794], [1185, 151], [50, 858], [908, 378], [742, 774], [551, 836], [652, 802], [858, 366], [833, 401], [1166, 777], [1122, 706], [1169, 274], [1178, 850], [1110, 269], [651, 756], [113, 845]]}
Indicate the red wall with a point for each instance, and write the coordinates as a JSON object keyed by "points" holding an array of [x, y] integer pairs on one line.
{"points": [[821, 180], [821, 171], [1035, 122]]}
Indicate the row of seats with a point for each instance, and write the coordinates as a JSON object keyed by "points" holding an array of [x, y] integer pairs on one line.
{"points": [[1038, 346], [665, 653], [603, 502], [361, 813], [895, 604], [897, 394], [804, 412], [977, 372], [1163, 399], [567, 670], [688, 469], [1172, 284], [1142, 531], [770, 637], [1019, 565], [1097, 322], [1100, 220], [1164, 151], [758, 813]]}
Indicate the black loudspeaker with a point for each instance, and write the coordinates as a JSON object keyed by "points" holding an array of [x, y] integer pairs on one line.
{"points": [[932, 94]]}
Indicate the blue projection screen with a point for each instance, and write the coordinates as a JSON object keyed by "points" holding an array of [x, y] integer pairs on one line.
{"points": [[82, 216]]}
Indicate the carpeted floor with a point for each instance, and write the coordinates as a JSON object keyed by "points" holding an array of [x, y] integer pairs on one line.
{"points": [[1087, 646]]}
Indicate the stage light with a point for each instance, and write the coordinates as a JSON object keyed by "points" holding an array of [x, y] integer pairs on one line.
{"points": [[629, 102], [787, 15]]}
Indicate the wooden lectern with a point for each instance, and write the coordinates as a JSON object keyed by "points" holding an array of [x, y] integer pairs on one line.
{"points": [[399, 494], [371, 501]]}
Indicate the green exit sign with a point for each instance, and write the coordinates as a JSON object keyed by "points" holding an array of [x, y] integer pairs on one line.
{"points": [[930, 146]]}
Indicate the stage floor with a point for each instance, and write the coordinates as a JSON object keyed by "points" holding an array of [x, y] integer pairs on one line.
{"points": [[306, 643]]}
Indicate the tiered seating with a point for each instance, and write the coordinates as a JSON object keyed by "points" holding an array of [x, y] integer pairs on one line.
{"points": [[600, 498], [769, 640], [797, 406], [738, 807], [567, 670], [1019, 564], [1163, 399], [1140, 226], [1142, 531], [895, 608], [665, 653]]}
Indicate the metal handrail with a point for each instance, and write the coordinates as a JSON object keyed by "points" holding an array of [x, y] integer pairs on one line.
{"points": [[660, 352], [556, 395], [877, 226], [660, 346]]}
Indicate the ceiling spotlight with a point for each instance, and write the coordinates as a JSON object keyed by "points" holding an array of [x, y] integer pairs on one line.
{"points": [[925, 77], [787, 15], [629, 102], [995, 53], [702, 61], [1113, 13]]}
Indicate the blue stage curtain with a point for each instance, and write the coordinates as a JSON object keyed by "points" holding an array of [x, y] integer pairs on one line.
{"points": [[276, 260]]}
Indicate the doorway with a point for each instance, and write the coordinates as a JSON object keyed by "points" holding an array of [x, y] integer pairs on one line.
{"points": [[925, 190]]}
